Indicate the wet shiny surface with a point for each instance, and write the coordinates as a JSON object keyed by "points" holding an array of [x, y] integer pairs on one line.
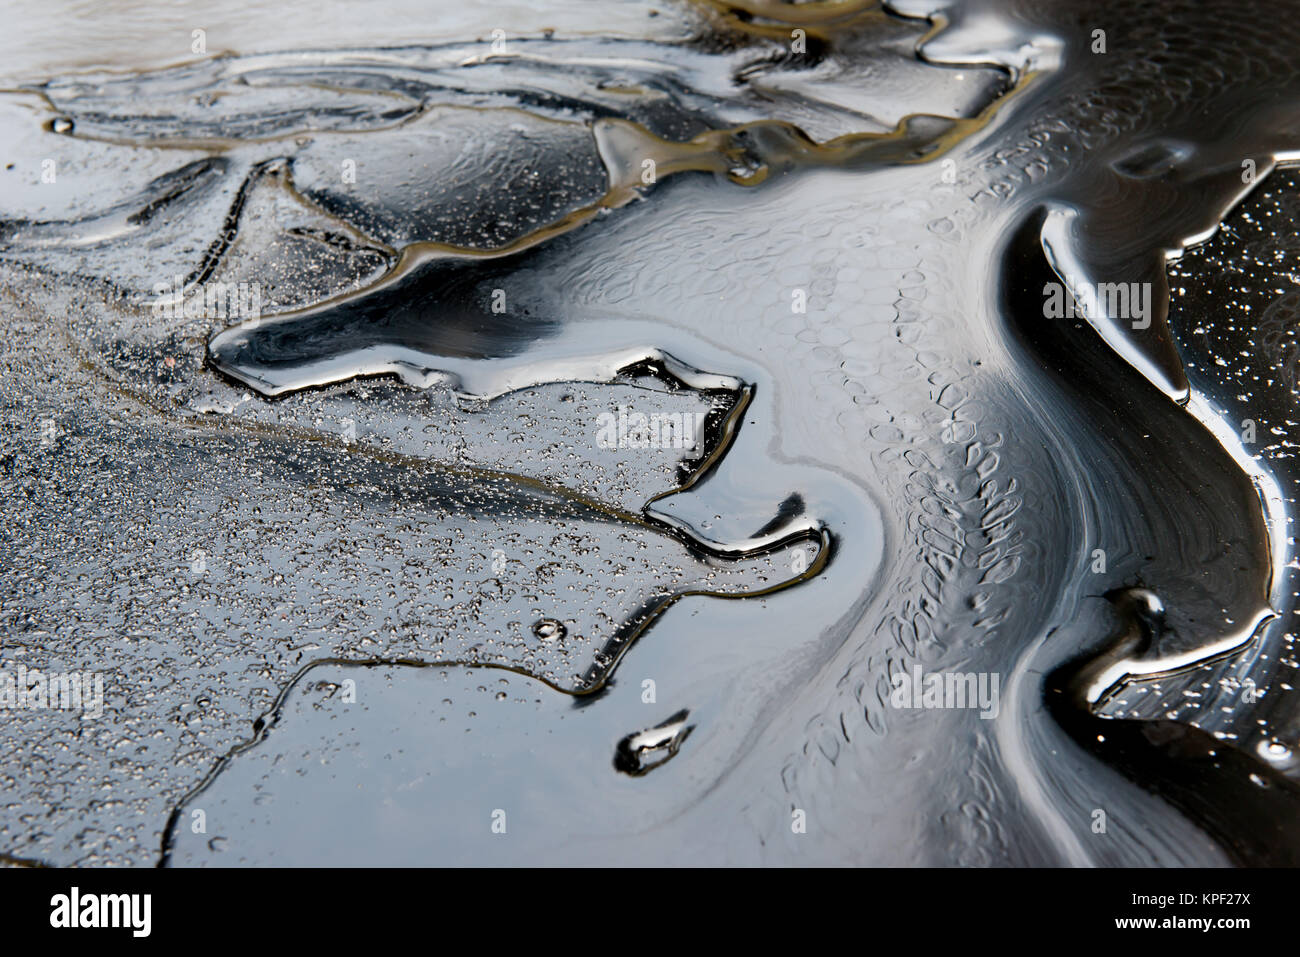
{"points": [[356, 558]]}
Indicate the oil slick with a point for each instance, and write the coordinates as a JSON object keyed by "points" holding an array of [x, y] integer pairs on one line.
{"points": [[909, 266]]}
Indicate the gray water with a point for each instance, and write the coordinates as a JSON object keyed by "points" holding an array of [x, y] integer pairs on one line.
{"points": [[324, 349]]}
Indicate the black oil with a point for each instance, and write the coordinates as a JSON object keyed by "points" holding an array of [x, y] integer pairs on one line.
{"points": [[715, 432]]}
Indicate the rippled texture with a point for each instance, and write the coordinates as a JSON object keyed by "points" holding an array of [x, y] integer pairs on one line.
{"points": [[361, 562]]}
